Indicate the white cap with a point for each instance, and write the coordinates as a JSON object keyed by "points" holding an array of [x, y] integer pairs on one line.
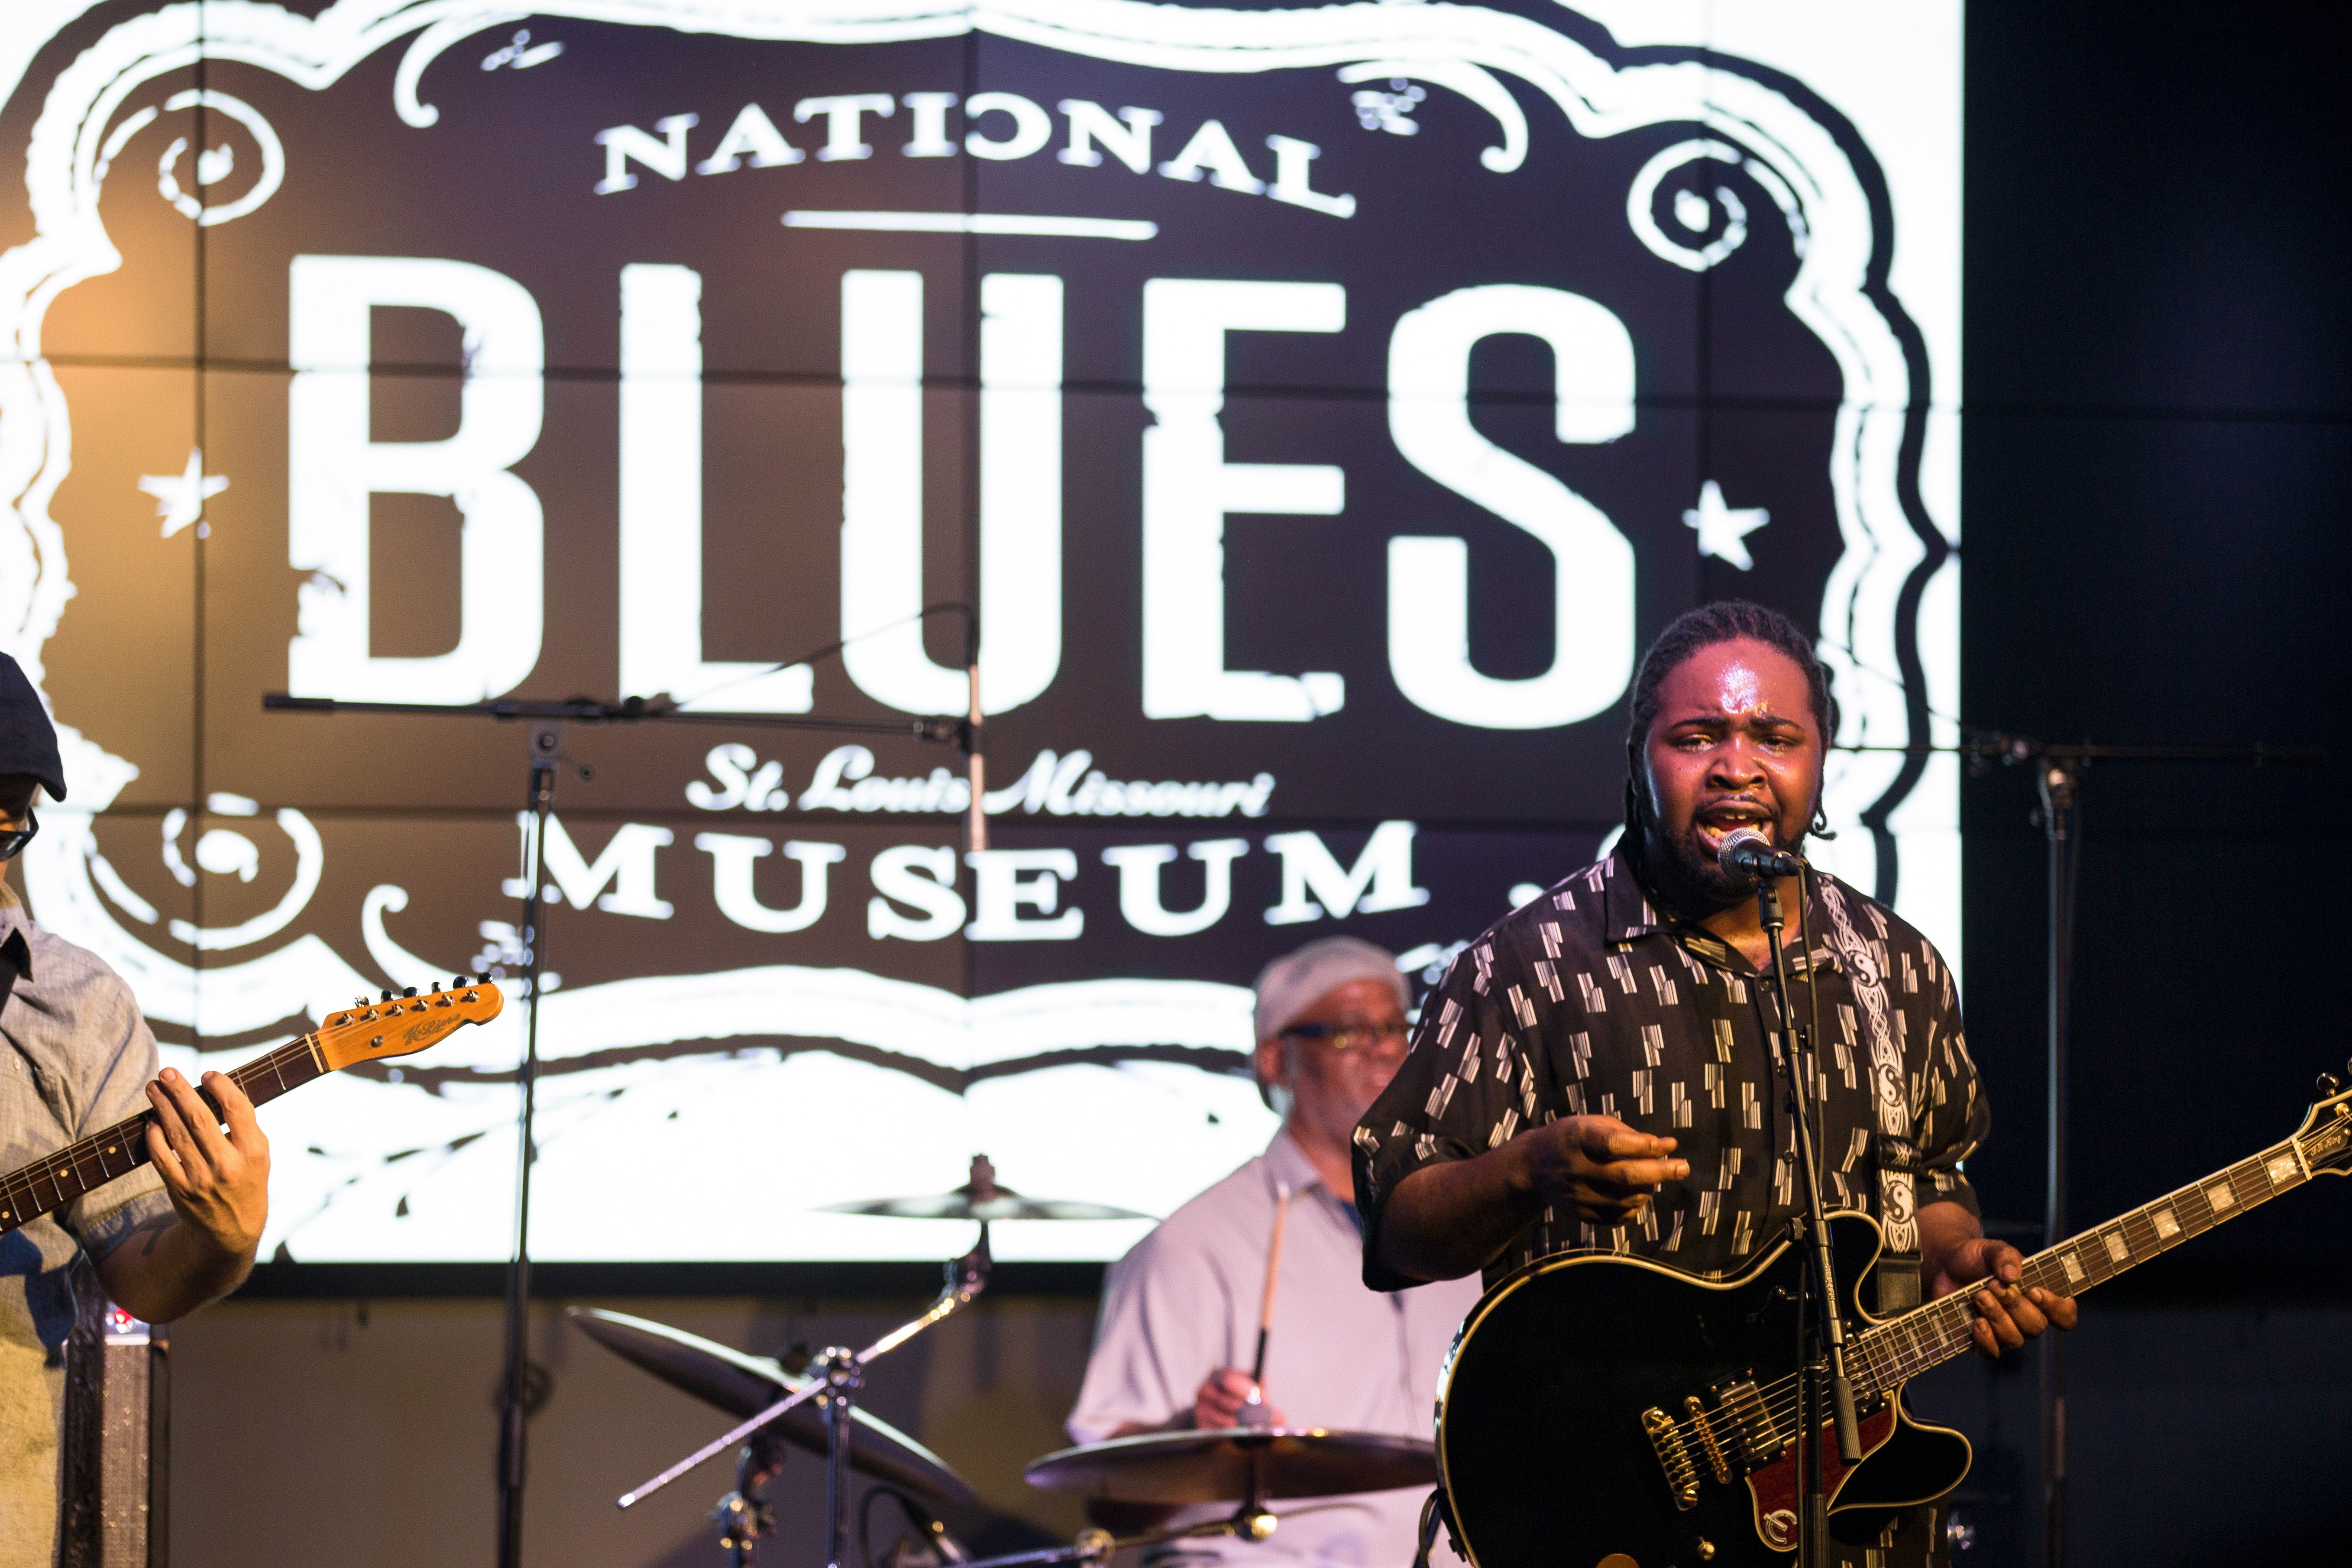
{"points": [[1296, 982]]}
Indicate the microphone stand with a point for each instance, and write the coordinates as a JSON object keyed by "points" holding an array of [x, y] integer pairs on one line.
{"points": [[1820, 1322], [545, 756], [2058, 777]]}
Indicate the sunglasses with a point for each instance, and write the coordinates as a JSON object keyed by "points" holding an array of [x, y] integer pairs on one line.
{"points": [[13, 842]]}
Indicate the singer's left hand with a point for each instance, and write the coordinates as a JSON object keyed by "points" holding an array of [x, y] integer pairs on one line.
{"points": [[2009, 1313]]}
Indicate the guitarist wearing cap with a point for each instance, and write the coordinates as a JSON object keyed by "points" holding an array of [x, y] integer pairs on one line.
{"points": [[164, 1239], [1594, 1073]]}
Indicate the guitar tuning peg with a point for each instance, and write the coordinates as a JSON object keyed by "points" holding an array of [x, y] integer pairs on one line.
{"points": [[387, 995], [360, 1000], [2327, 1086], [410, 992], [436, 988]]}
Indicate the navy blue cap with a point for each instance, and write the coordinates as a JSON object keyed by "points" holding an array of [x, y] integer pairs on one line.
{"points": [[28, 741]]}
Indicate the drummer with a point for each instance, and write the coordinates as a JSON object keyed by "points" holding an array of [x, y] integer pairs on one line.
{"points": [[1179, 1328]]}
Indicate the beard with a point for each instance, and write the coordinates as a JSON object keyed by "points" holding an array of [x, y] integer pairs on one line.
{"points": [[1689, 873]]}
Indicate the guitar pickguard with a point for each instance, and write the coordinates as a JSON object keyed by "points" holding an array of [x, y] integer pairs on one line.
{"points": [[1774, 1489]]}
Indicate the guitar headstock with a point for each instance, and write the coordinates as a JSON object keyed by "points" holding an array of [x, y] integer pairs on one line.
{"points": [[2324, 1139], [402, 1024]]}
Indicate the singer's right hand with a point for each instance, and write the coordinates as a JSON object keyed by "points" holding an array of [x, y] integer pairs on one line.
{"points": [[1600, 1165], [1221, 1399]]}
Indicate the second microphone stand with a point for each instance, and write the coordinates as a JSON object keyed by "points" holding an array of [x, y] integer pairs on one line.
{"points": [[1822, 1378]]}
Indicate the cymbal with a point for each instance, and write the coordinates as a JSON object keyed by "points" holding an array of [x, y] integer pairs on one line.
{"points": [[980, 1198], [744, 1385], [1216, 1466]]}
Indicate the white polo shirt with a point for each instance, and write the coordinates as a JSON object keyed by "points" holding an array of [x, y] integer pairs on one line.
{"points": [[1185, 1302]]}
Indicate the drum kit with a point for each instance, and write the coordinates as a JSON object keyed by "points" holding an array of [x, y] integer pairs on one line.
{"points": [[813, 1407]]}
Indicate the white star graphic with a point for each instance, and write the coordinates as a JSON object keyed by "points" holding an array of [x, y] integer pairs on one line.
{"points": [[180, 498], [1722, 529]]}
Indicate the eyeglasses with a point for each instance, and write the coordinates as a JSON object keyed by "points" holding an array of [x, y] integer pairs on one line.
{"points": [[13, 842], [1353, 1036]]}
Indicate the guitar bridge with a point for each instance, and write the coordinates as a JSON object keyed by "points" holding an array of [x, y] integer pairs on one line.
{"points": [[1742, 1407], [1706, 1439], [1674, 1454]]}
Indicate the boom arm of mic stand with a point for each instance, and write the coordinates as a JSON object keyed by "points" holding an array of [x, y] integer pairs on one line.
{"points": [[633, 710], [967, 1277]]}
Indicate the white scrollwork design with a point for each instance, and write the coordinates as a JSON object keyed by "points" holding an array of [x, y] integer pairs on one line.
{"points": [[1692, 210], [265, 184], [1473, 82], [404, 966], [430, 45], [310, 860]]}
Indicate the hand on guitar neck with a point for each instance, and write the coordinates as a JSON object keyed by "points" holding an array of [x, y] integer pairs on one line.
{"points": [[211, 1155], [1954, 1254], [218, 1183]]}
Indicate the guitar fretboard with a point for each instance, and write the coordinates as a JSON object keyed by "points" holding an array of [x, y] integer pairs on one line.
{"points": [[1903, 1347], [27, 1193]]}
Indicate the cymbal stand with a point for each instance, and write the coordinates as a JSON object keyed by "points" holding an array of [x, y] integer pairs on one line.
{"points": [[843, 1371], [745, 1514]]}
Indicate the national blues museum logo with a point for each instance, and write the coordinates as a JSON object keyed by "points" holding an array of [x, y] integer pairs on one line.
{"points": [[1318, 406]]}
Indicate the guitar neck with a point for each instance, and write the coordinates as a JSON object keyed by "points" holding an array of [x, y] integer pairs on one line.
{"points": [[34, 1190], [1903, 1347]]}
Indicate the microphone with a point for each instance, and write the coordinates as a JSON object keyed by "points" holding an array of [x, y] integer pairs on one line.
{"points": [[1748, 853]]}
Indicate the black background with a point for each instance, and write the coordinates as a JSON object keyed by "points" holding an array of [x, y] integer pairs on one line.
{"points": [[2156, 463]]}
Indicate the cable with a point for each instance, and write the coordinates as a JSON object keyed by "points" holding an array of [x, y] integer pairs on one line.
{"points": [[971, 636], [933, 1530]]}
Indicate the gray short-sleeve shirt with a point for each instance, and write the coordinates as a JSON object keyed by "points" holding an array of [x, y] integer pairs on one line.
{"points": [[75, 1057]]}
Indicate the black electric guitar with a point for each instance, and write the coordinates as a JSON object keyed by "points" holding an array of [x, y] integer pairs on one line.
{"points": [[378, 1031], [1602, 1412]]}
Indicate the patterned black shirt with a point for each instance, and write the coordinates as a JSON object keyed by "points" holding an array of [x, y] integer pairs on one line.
{"points": [[1587, 1000]]}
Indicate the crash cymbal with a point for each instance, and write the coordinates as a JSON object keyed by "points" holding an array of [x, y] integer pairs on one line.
{"points": [[1217, 1466], [744, 1385], [981, 1198]]}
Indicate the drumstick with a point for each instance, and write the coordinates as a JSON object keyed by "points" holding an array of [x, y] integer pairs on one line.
{"points": [[1273, 1273]]}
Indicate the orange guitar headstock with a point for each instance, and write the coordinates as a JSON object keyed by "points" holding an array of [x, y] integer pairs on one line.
{"points": [[2324, 1139], [402, 1024]]}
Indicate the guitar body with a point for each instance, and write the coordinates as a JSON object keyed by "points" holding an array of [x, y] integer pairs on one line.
{"points": [[1541, 1441]]}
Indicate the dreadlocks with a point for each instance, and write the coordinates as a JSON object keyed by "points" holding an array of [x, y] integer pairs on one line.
{"points": [[1726, 620]]}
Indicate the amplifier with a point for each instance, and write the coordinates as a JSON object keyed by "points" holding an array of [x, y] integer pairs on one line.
{"points": [[114, 1469]]}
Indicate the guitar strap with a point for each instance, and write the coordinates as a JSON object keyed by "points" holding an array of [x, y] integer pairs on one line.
{"points": [[1898, 1270]]}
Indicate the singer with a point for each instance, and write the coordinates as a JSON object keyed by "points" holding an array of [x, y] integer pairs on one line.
{"points": [[1593, 1071]]}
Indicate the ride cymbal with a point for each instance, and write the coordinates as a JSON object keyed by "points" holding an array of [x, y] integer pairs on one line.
{"points": [[980, 1198], [1237, 1463]]}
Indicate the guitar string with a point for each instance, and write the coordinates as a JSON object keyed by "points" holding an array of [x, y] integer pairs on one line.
{"points": [[1779, 1399], [21, 1189], [24, 1196], [1952, 1321], [1952, 1317]]}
